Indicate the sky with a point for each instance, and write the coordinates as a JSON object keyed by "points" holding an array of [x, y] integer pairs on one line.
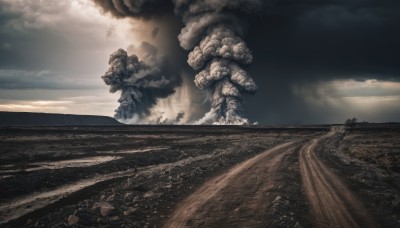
{"points": [[313, 61]]}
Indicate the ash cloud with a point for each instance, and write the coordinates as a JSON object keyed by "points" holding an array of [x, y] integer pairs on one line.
{"points": [[145, 9], [212, 32], [179, 117], [304, 43], [142, 80], [218, 57], [292, 43]]}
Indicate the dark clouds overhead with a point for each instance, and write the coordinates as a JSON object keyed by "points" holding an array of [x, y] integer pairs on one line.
{"points": [[302, 51], [300, 43], [136, 8], [330, 37]]}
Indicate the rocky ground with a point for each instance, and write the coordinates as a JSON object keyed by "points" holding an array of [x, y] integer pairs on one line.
{"points": [[132, 176]]}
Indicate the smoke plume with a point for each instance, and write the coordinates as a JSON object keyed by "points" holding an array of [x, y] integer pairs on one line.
{"points": [[213, 31], [179, 116], [142, 81]]}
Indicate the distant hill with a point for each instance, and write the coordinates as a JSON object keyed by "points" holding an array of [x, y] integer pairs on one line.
{"points": [[49, 119]]}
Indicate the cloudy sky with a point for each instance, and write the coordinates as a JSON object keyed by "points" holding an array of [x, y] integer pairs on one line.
{"points": [[314, 61]]}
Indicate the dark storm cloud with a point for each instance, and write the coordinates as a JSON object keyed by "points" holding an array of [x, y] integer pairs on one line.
{"points": [[306, 42], [60, 36], [20, 28], [331, 37], [294, 44], [144, 9], [303, 43]]}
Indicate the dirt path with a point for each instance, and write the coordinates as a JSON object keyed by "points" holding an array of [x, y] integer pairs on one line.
{"points": [[243, 195], [238, 197], [332, 203]]}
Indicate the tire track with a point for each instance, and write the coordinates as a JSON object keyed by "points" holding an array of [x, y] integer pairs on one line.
{"points": [[332, 203], [238, 197]]}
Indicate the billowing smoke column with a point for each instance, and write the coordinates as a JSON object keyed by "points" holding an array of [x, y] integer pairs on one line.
{"points": [[141, 81], [219, 55], [212, 32]]}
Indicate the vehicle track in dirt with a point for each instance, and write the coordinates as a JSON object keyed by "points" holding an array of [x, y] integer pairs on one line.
{"points": [[332, 203], [241, 196], [237, 197]]}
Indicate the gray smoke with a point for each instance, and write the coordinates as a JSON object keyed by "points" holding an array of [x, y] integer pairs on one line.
{"points": [[218, 56], [141, 81], [213, 34], [179, 116], [133, 8]]}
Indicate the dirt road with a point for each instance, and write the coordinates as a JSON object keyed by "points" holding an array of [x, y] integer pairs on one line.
{"points": [[199, 177], [243, 190], [332, 203], [243, 195]]}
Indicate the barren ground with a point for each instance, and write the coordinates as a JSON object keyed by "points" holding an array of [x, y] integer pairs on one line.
{"points": [[199, 176]]}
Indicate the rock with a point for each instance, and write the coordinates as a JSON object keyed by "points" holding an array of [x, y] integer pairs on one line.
{"points": [[106, 209], [276, 203], [168, 186], [130, 211], [110, 198], [116, 218], [277, 199], [128, 195], [148, 194], [73, 220], [95, 206]]}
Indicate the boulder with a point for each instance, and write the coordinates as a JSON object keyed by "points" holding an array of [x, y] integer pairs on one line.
{"points": [[130, 211], [73, 220], [106, 209]]}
